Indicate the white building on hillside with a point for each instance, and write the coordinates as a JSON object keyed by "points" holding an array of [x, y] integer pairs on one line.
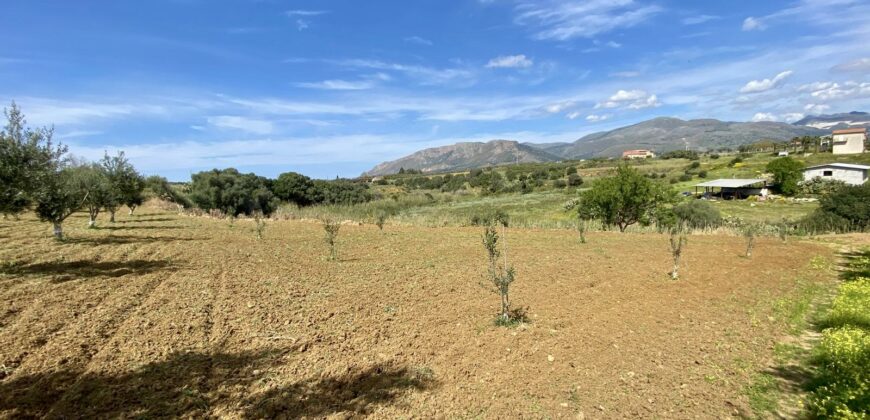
{"points": [[849, 141], [846, 172]]}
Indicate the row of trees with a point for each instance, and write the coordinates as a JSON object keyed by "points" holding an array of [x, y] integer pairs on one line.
{"points": [[235, 193], [36, 173]]}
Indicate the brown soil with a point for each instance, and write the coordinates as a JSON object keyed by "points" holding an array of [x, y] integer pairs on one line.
{"points": [[167, 315]]}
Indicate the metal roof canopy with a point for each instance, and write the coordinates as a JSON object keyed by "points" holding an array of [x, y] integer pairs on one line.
{"points": [[839, 165], [731, 183]]}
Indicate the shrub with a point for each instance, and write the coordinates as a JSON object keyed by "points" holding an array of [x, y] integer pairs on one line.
{"points": [[685, 178], [489, 217], [702, 174], [850, 204], [380, 219], [820, 186], [698, 214], [787, 172], [749, 230], [232, 192], [574, 180], [295, 188], [735, 161], [695, 165], [714, 156], [559, 184]]}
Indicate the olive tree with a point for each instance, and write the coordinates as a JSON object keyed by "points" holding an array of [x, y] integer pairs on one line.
{"points": [[500, 273], [27, 157], [624, 199], [126, 185], [93, 180], [62, 192]]}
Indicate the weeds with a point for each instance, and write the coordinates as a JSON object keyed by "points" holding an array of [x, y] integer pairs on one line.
{"points": [[380, 219], [581, 229]]}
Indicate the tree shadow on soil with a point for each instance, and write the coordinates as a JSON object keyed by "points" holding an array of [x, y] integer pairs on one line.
{"points": [[190, 385], [145, 219], [855, 264], [122, 239], [62, 271], [138, 227]]}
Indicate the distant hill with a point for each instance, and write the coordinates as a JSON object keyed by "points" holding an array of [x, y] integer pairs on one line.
{"points": [[836, 121], [665, 134], [658, 134], [461, 156]]}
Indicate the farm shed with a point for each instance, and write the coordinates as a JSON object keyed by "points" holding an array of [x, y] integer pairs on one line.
{"points": [[849, 141], [849, 173], [734, 188]]}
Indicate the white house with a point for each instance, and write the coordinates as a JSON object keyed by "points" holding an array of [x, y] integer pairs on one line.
{"points": [[849, 141], [846, 172]]}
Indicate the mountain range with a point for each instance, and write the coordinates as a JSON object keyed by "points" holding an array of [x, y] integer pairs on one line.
{"points": [[658, 134]]}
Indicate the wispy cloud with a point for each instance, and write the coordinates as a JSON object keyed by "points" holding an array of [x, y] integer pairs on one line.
{"points": [[425, 75], [418, 40], [337, 84], [755, 86], [861, 65], [699, 19], [596, 117], [827, 91], [249, 125], [564, 20], [753, 24], [510, 61], [293, 13]]}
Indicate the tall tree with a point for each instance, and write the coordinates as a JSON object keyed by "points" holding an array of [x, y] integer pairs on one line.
{"points": [[61, 193], [624, 199], [27, 156], [787, 173], [125, 183], [92, 179]]}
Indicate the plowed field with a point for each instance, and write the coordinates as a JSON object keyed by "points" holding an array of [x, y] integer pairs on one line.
{"points": [[167, 315]]}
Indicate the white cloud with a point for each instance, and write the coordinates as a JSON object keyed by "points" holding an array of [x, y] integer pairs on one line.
{"points": [[301, 24], [756, 86], [753, 24], [632, 99], [827, 91], [763, 116], [597, 118], [574, 115], [564, 20], [293, 13], [696, 20], [816, 108], [510, 61], [625, 74], [248, 125], [337, 85], [791, 117], [559, 107], [860, 65], [418, 40]]}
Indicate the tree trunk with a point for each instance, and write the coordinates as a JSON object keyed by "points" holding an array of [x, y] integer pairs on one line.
{"points": [[112, 216], [132, 208], [58, 231], [749, 248], [674, 274], [92, 222]]}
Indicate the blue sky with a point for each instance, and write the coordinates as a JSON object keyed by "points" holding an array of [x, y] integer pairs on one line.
{"points": [[331, 88]]}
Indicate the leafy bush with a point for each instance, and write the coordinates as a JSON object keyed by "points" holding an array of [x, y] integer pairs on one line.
{"points": [[681, 154], [330, 228], [842, 388], [698, 214], [702, 174], [685, 178], [231, 192], [850, 203], [574, 180], [787, 173], [821, 186], [735, 161], [559, 184], [295, 188]]}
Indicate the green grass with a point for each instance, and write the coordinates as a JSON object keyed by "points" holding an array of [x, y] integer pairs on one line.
{"points": [[763, 393]]}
